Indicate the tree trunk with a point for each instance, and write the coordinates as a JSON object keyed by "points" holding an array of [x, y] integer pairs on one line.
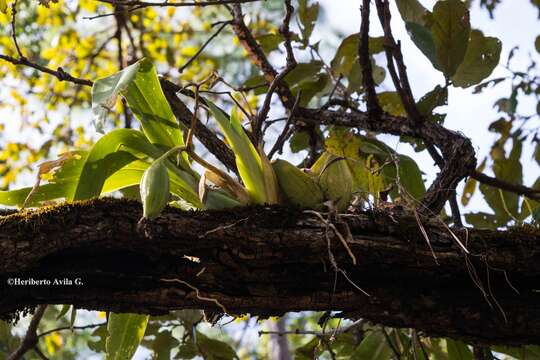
{"points": [[271, 260]]}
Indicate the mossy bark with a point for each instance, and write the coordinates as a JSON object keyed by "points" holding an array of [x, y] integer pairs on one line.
{"points": [[270, 260]]}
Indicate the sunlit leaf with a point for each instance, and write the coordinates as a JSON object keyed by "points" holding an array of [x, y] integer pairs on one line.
{"points": [[248, 160], [125, 333], [390, 101], [140, 86]]}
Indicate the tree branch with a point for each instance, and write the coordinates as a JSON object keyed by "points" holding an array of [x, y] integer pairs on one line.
{"points": [[365, 63], [31, 339], [248, 261], [59, 73], [209, 139], [258, 57], [533, 194]]}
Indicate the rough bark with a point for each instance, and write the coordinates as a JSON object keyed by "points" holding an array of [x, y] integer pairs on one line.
{"points": [[270, 260]]}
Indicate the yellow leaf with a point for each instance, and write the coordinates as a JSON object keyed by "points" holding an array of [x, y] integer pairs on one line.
{"points": [[3, 6]]}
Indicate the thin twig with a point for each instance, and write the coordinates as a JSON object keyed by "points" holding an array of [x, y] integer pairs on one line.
{"points": [[278, 145], [14, 28], [62, 328], [290, 65], [201, 49]]}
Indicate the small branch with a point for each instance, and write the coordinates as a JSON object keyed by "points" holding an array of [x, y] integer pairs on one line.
{"points": [[290, 65], [373, 106], [278, 145], [258, 57], [82, 327], [393, 53], [456, 214], [14, 27], [201, 49], [31, 339], [59, 73], [318, 334], [135, 5], [531, 193]]}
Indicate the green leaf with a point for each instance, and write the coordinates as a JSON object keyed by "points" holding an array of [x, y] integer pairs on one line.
{"points": [[299, 141], [127, 176], [410, 177], [62, 185], [537, 44], [470, 186], [433, 99], [523, 352], [458, 350], [108, 155], [3, 6], [307, 14], [308, 351], [450, 29], [248, 160], [187, 350], [505, 204], [303, 72], [347, 52], [45, 192], [113, 152], [105, 92], [125, 333], [391, 103], [482, 220], [163, 344], [214, 349], [481, 58], [139, 84], [412, 11], [423, 39], [269, 42], [63, 311], [99, 344], [373, 347]]}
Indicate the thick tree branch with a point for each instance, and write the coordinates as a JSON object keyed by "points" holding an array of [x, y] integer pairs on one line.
{"points": [[209, 139], [272, 260]]}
